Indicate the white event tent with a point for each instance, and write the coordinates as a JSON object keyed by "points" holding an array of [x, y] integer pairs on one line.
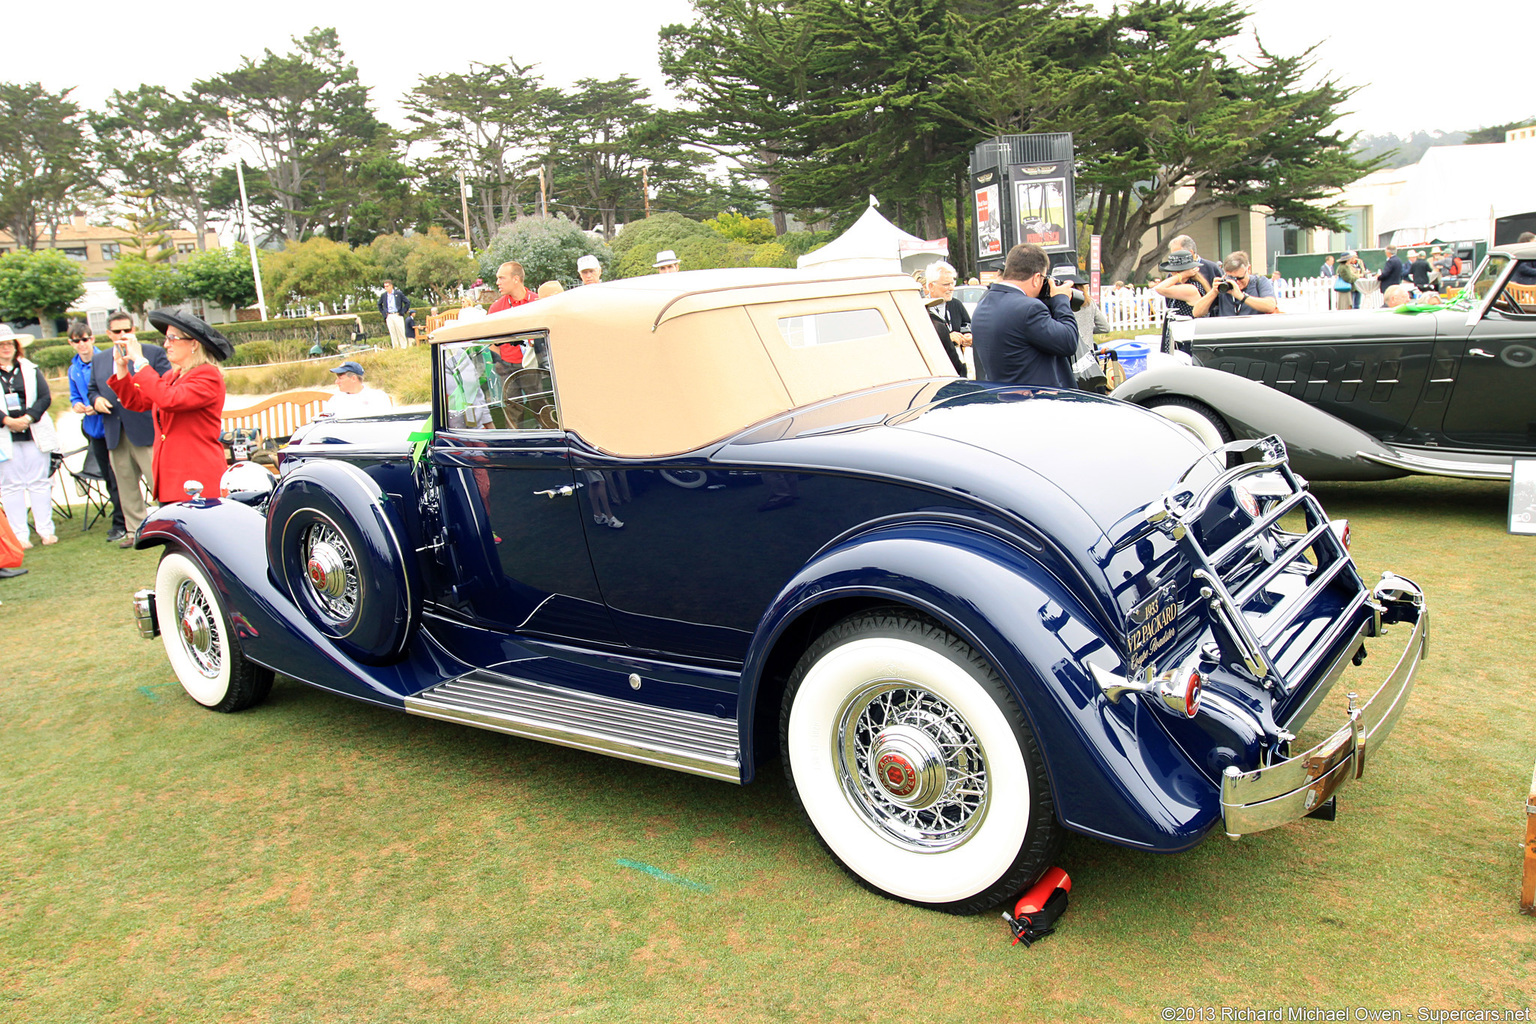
{"points": [[1458, 192], [874, 245]]}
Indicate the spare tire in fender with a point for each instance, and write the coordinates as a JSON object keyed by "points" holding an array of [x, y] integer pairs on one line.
{"points": [[337, 546]]}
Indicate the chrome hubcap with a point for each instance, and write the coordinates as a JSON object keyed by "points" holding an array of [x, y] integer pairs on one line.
{"points": [[911, 766], [331, 570], [908, 766], [198, 627]]}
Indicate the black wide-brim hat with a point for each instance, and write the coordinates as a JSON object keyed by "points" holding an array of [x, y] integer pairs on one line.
{"points": [[215, 344], [1178, 261]]}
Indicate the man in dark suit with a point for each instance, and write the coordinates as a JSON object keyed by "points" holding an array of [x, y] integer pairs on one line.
{"points": [[1023, 331], [950, 320], [1393, 272], [130, 435], [394, 307]]}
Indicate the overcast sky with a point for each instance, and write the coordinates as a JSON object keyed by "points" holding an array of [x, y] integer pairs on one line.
{"points": [[1416, 69]]}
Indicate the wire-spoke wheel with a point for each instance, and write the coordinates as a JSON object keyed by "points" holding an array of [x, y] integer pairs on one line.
{"points": [[199, 641], [330, 569], [914, 764], [334, 543]]}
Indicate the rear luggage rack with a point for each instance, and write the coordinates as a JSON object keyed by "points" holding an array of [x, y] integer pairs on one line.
{"points": [[1255, 578]]}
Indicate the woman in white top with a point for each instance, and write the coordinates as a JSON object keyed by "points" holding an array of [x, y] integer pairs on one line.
{"points": [[27, 439]]}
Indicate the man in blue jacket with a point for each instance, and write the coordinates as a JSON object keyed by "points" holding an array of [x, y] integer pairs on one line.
{"points": [[84, 344], [1023, 331]]}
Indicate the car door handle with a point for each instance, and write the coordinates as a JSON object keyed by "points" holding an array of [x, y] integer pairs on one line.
{"points": [[1480, 353], [557, 492]]}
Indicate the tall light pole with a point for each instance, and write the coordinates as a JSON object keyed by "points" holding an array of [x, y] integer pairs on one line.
{"points": [[250, 229], [469, 242]]}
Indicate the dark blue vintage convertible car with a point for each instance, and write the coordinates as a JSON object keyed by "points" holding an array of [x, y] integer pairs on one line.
{"points": [[705, 519]]}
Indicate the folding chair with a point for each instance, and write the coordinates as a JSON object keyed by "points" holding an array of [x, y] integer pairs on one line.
{"points": [[56, 459], [90, 483]]}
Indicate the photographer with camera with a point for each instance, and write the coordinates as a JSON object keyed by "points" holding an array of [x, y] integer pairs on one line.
{"points": [[1240, 292], [1023, 331]]}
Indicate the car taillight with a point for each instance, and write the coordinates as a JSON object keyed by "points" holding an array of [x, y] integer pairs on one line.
{"points": [[1192, 691], [1341, 530]]}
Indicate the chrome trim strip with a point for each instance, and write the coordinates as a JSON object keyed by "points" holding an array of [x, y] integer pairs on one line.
{"points": [[684, 741], [1444, 467], [1291, 789]]}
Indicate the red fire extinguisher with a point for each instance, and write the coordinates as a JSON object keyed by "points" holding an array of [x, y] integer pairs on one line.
{"points": [[1038, 909]]}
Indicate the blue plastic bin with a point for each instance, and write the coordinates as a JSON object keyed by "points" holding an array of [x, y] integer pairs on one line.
{"points": [[1133, 355]]}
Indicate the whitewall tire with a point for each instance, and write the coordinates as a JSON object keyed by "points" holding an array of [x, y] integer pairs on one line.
{"points": [[914, 765], [1198, 418], [200, 642]]}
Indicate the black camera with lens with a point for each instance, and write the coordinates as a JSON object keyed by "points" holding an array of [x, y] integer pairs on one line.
{"points": [[1224, 285]]}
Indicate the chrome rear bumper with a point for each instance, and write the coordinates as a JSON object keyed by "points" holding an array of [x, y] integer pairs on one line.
{"points": [[1293, 788]]}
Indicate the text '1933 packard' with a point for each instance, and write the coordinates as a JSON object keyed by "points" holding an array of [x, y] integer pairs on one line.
{"points": [[701, 520]]}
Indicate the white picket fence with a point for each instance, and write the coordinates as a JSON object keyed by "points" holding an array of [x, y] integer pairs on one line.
{"points": [[1137, 309]]}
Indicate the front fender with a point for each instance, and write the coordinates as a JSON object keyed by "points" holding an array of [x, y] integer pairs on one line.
{"points": [[1321, 446], [225, 538], [1114, 773]]}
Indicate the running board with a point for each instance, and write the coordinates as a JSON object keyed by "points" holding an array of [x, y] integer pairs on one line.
{"points": [[684, 741]]}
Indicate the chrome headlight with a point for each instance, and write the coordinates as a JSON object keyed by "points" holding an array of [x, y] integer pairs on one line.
{"points": [[248, 483]]}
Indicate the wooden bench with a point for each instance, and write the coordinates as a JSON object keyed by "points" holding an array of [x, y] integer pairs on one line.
{"points": [[279, 415]]}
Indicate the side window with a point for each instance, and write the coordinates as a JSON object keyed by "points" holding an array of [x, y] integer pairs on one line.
{"points": [[830, 328], [499, 384], [1520, 290]]}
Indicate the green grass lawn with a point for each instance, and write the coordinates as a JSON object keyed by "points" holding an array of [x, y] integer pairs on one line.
{"points": [[317, 859]]}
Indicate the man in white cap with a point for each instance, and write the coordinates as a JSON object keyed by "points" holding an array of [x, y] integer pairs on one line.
{"points": [[667, 262], [353, 398], [589, 269]]}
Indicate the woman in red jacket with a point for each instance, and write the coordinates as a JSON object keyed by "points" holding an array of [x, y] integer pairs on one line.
{"points": [[187, 402]]}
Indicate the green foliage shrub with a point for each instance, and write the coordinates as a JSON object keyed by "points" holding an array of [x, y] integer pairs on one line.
{"points": [[741, 228], [253, 353], [221, 276], [141, 283], [649, 236], [318, 270], [798, 243], [547, 247], [50, 359], [772, 255]]}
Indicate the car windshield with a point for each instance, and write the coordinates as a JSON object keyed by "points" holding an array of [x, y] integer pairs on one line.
{"points": [[1486, 275]]}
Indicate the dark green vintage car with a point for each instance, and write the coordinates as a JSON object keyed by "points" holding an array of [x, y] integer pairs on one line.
{"points": [[1369, 395]]}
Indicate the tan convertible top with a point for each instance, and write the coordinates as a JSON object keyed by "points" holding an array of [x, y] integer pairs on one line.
{"points": [[668, 363]]}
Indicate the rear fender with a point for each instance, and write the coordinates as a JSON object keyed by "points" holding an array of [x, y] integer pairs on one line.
{"points": [[1321, 446], [1114, 773]]}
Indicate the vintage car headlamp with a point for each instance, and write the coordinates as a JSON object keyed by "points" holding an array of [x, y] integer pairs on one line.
{"points": [[248, 483]]}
